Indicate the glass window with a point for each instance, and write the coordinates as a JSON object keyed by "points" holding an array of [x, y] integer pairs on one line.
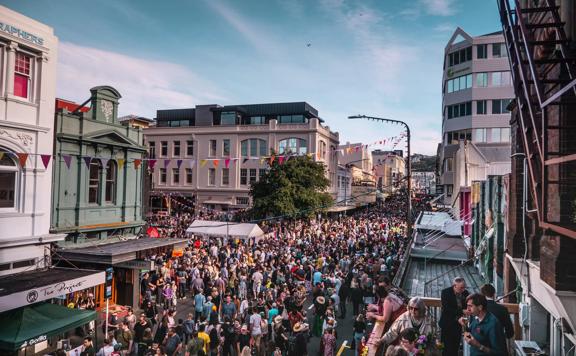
{"points": [[481, 51], [111, 174], [163, 148], [448, 165], [243, 176], [482, 80], [184, 122], [263, 147], [244, 148], [175, 176], [162, 175], [495, 135], [449, 112], [225, 176], [176, 148], [497, 106], [456, 84], [257, 120], [252, 175], [228, 118], [449, 189], [22, 75], [481, 107], [211, 176], [450, 60], [496, 50], [468, 108], [469, 81], [479, 135], [188, 175], [496, 79], [469, 53], [8, 174], [462, 82], [505, 134], [212, 151], [94, 182], [261, 173], [190, 148], [226, 147], [253, 147], [242, 201], [175, 123], [450, 86], [152, 149]]}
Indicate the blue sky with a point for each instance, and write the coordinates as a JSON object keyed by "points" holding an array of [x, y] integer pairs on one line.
{"points": [[374, 57]]}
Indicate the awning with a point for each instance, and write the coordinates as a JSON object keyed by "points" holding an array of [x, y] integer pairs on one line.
{"points": [[36, 323], [223, 229], [22, 289], [336, 209], [117, 252], [223, 202]]}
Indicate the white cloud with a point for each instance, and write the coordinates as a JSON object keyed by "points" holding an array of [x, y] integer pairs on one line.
{"points": [[145, 85], [439, 7]]}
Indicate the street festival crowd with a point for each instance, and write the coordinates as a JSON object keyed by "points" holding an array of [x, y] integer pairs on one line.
{"points": [[274, 296]]}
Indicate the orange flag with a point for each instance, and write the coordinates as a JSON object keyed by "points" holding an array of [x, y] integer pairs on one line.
{"points": [[22, 157], [137, 163], [216, 163]]}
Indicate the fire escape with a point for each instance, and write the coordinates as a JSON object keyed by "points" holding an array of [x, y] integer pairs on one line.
{"points": [[544, 77]]}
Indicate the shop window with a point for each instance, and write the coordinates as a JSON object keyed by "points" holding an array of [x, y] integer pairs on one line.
{"points": [[242, 201]]}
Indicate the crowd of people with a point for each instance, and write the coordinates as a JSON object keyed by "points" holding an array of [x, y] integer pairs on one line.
{"points": [[274, 296]]}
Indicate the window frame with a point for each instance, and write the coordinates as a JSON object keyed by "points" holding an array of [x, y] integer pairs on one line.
{"points": [[243, 176], [226, 150], [27, 76], [212, 148], [152, 149], [95, 183], [212, 177], [482, 49], [176, 146], [111, 182], [484, 107], [162, 176], [14, 170], [252, 178], [225, 176], [189, 174], [175, 176], [163, 148], [189, 148]]}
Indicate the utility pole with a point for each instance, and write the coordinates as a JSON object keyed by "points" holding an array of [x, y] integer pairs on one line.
{"points": [[408, 167]]}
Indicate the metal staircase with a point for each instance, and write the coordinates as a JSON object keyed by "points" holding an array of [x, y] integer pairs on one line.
{"points": [[543, 69]]}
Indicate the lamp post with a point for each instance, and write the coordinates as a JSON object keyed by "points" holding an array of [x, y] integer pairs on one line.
{"points": [[408, 166]]}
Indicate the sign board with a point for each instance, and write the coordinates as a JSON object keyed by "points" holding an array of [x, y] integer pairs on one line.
{"points": [[109, 279], [136, 264], [49, 291]]}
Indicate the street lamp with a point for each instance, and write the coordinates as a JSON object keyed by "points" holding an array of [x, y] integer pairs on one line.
{"points": [[408, 165]]}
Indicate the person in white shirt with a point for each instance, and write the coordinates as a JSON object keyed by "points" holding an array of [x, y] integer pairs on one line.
{"points": [[256, 329]]}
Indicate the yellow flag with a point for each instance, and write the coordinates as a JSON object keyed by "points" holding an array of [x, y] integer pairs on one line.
{"points": [[120, 162], [203, 162]]}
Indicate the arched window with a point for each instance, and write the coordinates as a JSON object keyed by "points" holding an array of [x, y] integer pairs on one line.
{"points": [[8, 181], [94, 181], [293, 145], [111, 175], [322, 149]]}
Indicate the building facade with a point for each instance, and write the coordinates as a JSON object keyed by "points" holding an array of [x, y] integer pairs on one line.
{"points": [[213, 153], [389, 170], [477, 90]]}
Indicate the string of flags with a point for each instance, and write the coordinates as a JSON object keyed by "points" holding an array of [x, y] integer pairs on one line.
{"points": [[23, 157]]}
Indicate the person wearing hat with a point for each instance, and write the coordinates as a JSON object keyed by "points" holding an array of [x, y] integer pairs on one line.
{"points": [[319, 315], [301, 347], [280, 334]]}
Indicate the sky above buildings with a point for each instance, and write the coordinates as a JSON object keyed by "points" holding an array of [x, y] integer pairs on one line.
{"points": [[345, 57]]}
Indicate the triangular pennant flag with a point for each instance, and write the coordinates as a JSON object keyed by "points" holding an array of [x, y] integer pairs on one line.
{"points": [[192, 162], [262, 160], [166, 163], [120, 162], [104, 161], [280, 159], [227, 162], [178, 163], [1, 155], [67, 160], [22, 157], [138, 161], [272, 159], [216, 161], [87, 160], [203, 162], [245, 160], [151, 164], [45, 160]]}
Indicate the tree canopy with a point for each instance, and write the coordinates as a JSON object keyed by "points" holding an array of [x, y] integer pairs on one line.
{"points": [[296, 187]]}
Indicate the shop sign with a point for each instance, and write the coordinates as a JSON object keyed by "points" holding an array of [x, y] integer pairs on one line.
{"points": [[50, 291], [136, 264], [15, 31], [34, 341]]}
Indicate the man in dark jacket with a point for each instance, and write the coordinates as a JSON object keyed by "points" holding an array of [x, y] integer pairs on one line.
{"points": [[453, 306], [498, 310]]}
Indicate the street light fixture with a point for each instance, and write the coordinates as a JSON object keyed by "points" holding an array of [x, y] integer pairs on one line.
{"points": [[408, 165]]}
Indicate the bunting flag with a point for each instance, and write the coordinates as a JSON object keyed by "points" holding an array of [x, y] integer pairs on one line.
{"points": [[215, 162], [166, 163], [280, 159], [203, 162], [87, 160], [22, 157], [262, 160], [120, 162], [272, 159], [192, 162], [138, 161], [104, 162], [244, 160], [45, 160], [227, 162], [179, 163], [151, 164], [67, 160]]}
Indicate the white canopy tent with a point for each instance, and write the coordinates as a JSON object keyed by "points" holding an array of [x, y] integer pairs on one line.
{"points": [[224, 229]]}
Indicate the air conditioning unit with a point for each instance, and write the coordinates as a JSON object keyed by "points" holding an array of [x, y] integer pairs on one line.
{"points": [[527, 348]]}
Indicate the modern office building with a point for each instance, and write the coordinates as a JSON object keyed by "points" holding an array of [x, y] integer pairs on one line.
{"points": [[213, 153], [477, 90]]}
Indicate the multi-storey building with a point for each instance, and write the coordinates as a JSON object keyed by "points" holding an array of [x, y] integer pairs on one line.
{"points": [[213, 153], [477, 91], [389, 169]]}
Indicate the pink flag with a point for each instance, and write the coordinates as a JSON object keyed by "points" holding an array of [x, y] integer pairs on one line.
{"points": [[280, 159], [151, 164], [227, 162], [67, 160], [166, 163], [45, 160]]}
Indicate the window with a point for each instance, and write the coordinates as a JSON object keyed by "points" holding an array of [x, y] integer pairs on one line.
{"points": [[162, 175], [460, 83], [499, 50], [255, 146], [291, 119], [479, 135], [225, 176], [499, 134], [242, 201], [22, 75], [111, 174], [94, 182], [293, 145], [243, 176], [448, 164], [460, 56], [212, 148], [495, 135], [228, 118], [481, 107], [190, 148], [501, 79], [257, 120], [163, 148], [211, 176], [499, 106], [459, 110], [8, 181], [449, 189], [481, 80], [152, 149], [322, 149], [24, 263], [176, 149], [188, 175], [226, 147], [482, 51], [252, 175], [175, 176], [261, 174]]}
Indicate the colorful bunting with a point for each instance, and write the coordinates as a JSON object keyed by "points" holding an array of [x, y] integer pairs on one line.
{"points": [[22, 157], [138, 161], [166, 163], [151, 164], [87, 160], [272, 159], [120, 162], [245, 160], [67, 160], [193, 162], [104, 162], [215, 162], [203, 162], [45, 160], [280, 159], [227, 162]]}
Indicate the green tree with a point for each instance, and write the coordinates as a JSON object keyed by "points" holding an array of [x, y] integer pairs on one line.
{"points": [[295, 187]]}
